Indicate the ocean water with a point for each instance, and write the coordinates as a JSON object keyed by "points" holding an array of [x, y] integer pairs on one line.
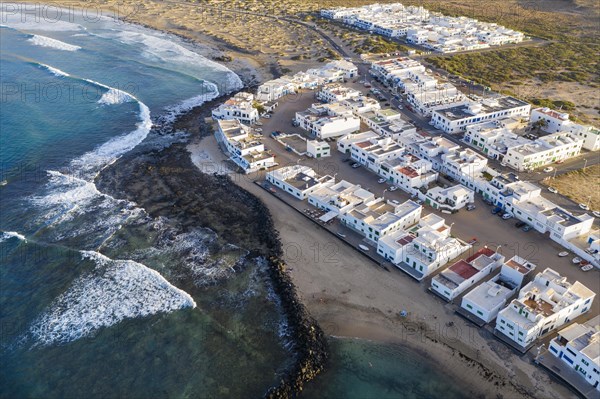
{"points": [[97, 298]]}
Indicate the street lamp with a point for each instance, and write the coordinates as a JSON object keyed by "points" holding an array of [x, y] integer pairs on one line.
{"points": [[584, 164]]}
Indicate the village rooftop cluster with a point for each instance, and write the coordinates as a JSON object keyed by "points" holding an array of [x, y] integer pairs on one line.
{"points": [[436, 172], [431, 30]]}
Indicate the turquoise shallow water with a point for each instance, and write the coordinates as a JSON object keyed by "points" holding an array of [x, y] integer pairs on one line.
{"points": [[368, 370]]}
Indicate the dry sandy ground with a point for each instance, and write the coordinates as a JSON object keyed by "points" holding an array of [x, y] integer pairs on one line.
{"points": [[581, 186], [352, 297]]}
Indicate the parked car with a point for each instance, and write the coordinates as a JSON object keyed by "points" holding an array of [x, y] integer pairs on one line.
{"points": [[563, 254], [553, 190], [584, 207], [527, 228], [489, 202], [520, 224], [576, 260], [472, 241], [419, 201], [341, 235], [496, 210], [268, 116], [596, 213], [363, 247], [381, 181], [393, 188], [548, 169], [258, 129], [258, 123], [356, 165], [507, 216], [470, 207]]}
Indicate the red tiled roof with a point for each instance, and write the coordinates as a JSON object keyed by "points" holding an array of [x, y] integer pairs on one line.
{"points": [[408, 171], [363, 144], [407, 239], [483, 251], [463, 269]]}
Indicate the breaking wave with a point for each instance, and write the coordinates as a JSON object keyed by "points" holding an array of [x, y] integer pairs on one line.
{"points": [[116, 290], [6, 235], [44, 41]]}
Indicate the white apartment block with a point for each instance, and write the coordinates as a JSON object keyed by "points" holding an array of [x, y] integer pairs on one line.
{"points": [[317, 149], [335, 92], [543, 151], [396, 69], [455, 119], [461, 275], [239, 107], [249, 154], [361, 105], [589, 134], [373, 152], [387, 122], [378, 218], [543, 305], [493, 139], [340, 197], [298, 180], [425, 247], [318, 121], [488, 298], [463, 164], [578, 345], [526, 203]]}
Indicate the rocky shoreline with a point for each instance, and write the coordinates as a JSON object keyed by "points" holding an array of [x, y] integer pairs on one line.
{"points": [[165, 182]]}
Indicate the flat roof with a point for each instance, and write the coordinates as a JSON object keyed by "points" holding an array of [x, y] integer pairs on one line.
{"points": [[497, 104], [489, 295]]}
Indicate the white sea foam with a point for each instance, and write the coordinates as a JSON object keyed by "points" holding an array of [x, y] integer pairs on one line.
{"points": [[6, 235], [44, 41], [54, 71], [116, 290], [114, 96], [190, 103]]}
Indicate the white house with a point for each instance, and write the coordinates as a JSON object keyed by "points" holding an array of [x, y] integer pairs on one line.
{"points": [[378, 218], [543, 151], [239, 107], [317, 149], [335, 92], [456, 118], [340, 197], [318, 121], [486, 300], [526, 203], [589, 134], [372, 153], [424, 248], [408, 172], [451, 198], [552, 121], [578, 345], [543, 305], [493, 139], [461, 275], [344, 143], [248, 153], [298, 180]]}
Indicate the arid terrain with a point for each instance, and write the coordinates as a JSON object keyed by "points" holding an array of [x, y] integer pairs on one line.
{"points": [[580, 185]]}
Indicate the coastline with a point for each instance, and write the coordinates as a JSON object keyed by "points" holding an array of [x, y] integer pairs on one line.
{"points": [[334, 297]]}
